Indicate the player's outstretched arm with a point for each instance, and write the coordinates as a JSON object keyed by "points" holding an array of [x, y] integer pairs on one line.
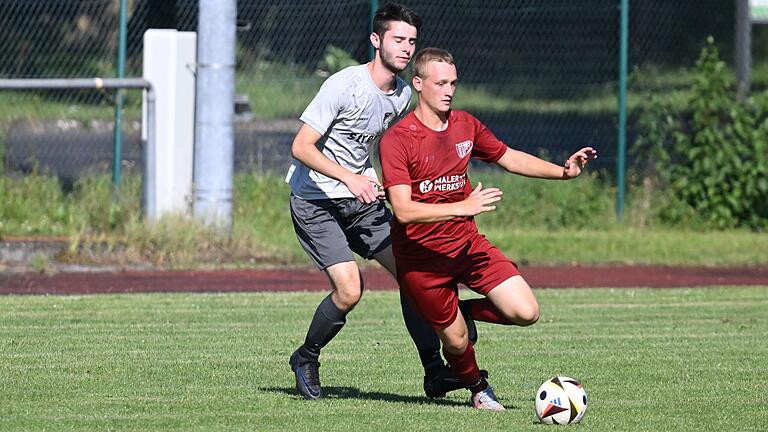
{"points": [[365, 189], [524, 164], [408, 211]]}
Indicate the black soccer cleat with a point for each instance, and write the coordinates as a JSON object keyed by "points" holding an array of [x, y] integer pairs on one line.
{"points": [[471, 327], [307, 376], [439, 383]]}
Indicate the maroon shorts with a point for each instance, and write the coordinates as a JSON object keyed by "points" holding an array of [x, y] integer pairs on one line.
{"points": [[432, 285]]}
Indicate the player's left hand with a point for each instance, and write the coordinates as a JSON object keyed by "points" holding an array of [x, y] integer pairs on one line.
{"points": [[573, 166]]}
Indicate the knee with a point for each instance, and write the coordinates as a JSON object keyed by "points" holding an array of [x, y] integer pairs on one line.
{"points": [[456, 345], [348, 298], [454, 342], [522, 314], [528, 315], [347, 287]]}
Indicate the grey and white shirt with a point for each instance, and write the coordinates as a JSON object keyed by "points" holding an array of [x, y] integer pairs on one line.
{"points": [[351, 113]]}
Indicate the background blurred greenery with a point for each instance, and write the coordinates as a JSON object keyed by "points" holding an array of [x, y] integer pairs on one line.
{"points": [[541, 222], [548, 97]]}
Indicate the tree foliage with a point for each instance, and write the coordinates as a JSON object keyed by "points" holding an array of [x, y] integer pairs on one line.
{"points": [[713, 156]]}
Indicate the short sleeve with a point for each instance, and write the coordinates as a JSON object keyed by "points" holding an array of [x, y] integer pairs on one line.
{"points": [[393, 153], [325, 107], [486, 147]]}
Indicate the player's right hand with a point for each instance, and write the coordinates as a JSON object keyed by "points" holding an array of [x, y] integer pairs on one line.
{"points": [[366, 189], [480, 200]]}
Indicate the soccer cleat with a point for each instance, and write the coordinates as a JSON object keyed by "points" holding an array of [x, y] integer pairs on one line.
{"points": [[307, 376], [439, 383], [471, 327], [486, 400]]}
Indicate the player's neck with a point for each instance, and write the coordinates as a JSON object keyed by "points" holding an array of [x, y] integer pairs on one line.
{"points": [[382, 77], [435, 120]]}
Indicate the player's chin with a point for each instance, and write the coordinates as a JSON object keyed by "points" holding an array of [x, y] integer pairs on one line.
{"points": [[399, 65]]}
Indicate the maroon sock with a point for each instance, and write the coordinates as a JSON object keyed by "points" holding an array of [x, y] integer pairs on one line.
{"points": [[464, 365], [484, 310]]}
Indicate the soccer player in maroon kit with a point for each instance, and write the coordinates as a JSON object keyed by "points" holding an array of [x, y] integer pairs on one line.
{"points": [[436, 243]]}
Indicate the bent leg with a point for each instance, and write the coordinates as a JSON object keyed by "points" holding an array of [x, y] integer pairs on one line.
{"points": [[319, 230], [509, 300]]}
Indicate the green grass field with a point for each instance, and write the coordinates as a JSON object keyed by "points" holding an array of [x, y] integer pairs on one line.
{"points": [[650, 360]]}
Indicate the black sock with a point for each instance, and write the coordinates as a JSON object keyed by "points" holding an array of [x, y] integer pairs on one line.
{"points": [[478, 386], [423, 336], [431, 360], [326, 324], [466, 307]]}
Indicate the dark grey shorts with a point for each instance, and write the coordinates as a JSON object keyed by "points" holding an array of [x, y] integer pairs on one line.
{"points": [[329, 230]]}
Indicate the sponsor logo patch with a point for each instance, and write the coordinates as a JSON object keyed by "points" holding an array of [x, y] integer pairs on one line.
{"points": [[447, 183]]}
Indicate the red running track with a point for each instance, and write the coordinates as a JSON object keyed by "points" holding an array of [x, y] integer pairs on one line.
{"points": [[304, 279]]}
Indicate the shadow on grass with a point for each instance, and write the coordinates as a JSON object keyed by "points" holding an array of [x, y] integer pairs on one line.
{"points": [[355, 393]]}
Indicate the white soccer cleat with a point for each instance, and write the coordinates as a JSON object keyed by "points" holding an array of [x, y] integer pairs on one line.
{"points": [[486, 400]]}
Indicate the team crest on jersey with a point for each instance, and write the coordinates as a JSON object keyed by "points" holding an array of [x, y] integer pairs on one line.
{"points": [[464, 148], [388, 117]]}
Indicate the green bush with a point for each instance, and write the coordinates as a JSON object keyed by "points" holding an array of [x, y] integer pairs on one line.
{"points": [[714, 155]]}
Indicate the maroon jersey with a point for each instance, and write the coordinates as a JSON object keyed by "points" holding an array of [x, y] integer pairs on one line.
{"points": [[435, 165]]}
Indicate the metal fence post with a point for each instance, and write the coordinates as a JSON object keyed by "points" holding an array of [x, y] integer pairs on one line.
{"points": [[622, 128], [743, 50], [121, 53], [374, 8], [214, 114]]}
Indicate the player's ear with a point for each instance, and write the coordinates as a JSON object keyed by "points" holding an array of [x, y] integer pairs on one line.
{"points": [[417, 83], [375, 41]]}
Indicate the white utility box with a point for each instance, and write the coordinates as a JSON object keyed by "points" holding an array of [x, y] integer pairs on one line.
{"points": [[169, 65]]}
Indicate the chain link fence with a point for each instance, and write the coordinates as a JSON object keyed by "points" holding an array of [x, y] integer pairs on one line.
{"points": [[541, 73]]}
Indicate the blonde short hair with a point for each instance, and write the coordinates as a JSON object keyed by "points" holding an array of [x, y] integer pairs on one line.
{"points": [[427, 56]]}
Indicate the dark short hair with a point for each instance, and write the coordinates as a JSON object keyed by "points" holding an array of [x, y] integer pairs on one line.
{"points": [[394, 12]]}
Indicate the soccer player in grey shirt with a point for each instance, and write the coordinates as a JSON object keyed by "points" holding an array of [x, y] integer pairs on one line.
{"points": [[336, 199]]}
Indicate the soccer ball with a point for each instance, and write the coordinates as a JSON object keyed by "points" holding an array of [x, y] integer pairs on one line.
{"points": [[561, 400]]}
